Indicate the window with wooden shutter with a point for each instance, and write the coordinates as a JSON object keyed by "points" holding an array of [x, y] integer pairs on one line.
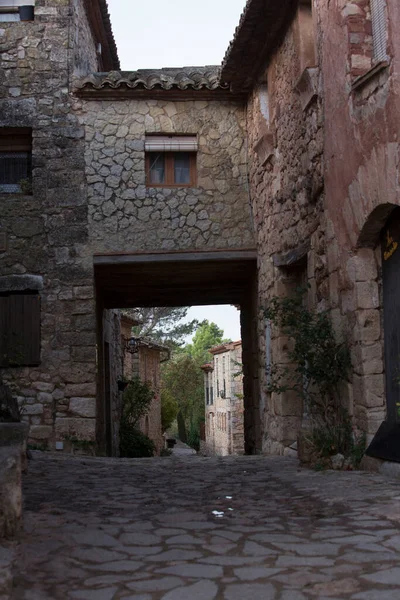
{"points": [[20, 330], [379, 31], [171, 160]]}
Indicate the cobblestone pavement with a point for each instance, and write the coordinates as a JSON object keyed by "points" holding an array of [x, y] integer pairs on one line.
{"points": [[108, 529]]}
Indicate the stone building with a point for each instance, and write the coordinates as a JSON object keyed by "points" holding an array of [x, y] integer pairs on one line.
{"points": [[200, 185], [322, 82], [87, 228], [143, 357], [223, 395]]}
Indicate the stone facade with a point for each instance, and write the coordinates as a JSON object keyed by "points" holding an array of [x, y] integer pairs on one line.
{"points": [[146, 363], [223, 393], [126, 216], [89, 197], [305, 105], [45, 232], [323, 159]]}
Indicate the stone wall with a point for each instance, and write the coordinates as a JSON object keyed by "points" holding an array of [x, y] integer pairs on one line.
{"points": [[285, 129], [361, 178], [86, 58], [149, 370], [126, 216], [46, 232], [224, 422], [112, 341]]}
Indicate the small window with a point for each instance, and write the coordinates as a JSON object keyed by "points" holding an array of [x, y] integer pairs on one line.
{"points": [[16, 10], [379, 37], [19, 330], [171, 161], [15, 160]]}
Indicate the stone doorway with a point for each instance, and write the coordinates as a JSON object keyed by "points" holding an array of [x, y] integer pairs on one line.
{"points": [[182, 279]]}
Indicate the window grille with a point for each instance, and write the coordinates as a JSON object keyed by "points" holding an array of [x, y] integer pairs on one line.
{"points": [[379, 32], [14, 168]]}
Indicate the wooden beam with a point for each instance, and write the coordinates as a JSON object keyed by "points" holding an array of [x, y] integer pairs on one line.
{"points": [[215, 255]]}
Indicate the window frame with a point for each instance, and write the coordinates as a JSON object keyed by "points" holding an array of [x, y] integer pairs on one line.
{"points": [[169, 165]]}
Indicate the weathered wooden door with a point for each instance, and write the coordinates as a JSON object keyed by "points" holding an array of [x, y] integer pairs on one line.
{"points": [[391, 311], [107, 398]]}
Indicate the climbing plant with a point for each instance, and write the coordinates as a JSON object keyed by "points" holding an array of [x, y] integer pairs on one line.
{"points": [[319, 364]]}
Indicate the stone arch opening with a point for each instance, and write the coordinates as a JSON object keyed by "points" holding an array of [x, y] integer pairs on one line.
{"points": [[182, 279], [371, 231]]}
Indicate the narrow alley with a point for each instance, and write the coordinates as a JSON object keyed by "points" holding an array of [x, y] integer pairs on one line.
{"points": [[191, 528]]}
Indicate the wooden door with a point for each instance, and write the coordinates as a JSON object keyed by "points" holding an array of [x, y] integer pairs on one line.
{"points": [[391, 311], [107, 398]]}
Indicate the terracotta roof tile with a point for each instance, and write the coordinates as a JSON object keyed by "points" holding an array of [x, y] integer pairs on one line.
{"points": [[185, 78]]}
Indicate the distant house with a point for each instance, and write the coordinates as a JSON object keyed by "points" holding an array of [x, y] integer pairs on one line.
{"points": [[143, 357], [223, 394]]}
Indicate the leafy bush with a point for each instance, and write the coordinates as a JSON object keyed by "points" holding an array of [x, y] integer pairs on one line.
{"points": [[133, 443], [136, 400], [169, 409], [193, 438]]}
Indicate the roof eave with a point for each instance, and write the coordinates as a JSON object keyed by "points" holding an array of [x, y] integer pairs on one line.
{"points": [[100, 23], [259, 34]]}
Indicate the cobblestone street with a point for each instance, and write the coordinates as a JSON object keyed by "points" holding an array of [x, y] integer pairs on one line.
{"points": [[190, 528]]}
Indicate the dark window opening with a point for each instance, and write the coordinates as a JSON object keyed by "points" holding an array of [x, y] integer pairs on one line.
{"points": [[15, 160], [12, 11]]}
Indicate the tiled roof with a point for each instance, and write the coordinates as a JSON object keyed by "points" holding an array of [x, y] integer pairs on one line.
{"points": [[109, 32], [260, 30], [99, 17], [185, 78]]}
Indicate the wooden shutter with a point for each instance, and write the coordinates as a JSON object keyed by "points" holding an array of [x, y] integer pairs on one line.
{"points": [[23, 330], [3, 330]]}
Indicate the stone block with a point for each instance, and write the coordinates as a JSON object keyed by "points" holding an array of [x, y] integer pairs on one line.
{"points": [[10, 492], [83, 407], [368, 325], [40, 432], [45, 398], [374, 391], [33, 409], [367, 295], [81, 429], [81, 390], [362, 266]]}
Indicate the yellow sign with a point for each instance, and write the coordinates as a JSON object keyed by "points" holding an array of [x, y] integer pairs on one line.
{"points": [[391, 246]]}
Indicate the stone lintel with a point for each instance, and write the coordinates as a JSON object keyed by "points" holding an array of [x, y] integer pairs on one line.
{"points": [[21, 283], [290, 258]]}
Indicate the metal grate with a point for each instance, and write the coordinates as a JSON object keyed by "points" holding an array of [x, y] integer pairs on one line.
{"points": [[379, 31], [15, 167]]}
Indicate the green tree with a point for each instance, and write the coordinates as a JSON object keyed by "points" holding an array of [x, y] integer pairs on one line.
{"points": [[207, 335], [163, 324], [169, 409], [183, 381]]}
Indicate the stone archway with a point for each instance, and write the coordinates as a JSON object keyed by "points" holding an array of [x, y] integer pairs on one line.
{"points": [[185, 279]]}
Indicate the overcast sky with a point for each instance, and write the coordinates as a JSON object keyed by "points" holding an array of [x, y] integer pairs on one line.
{"points": [[177, 33], [173, 33]]}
